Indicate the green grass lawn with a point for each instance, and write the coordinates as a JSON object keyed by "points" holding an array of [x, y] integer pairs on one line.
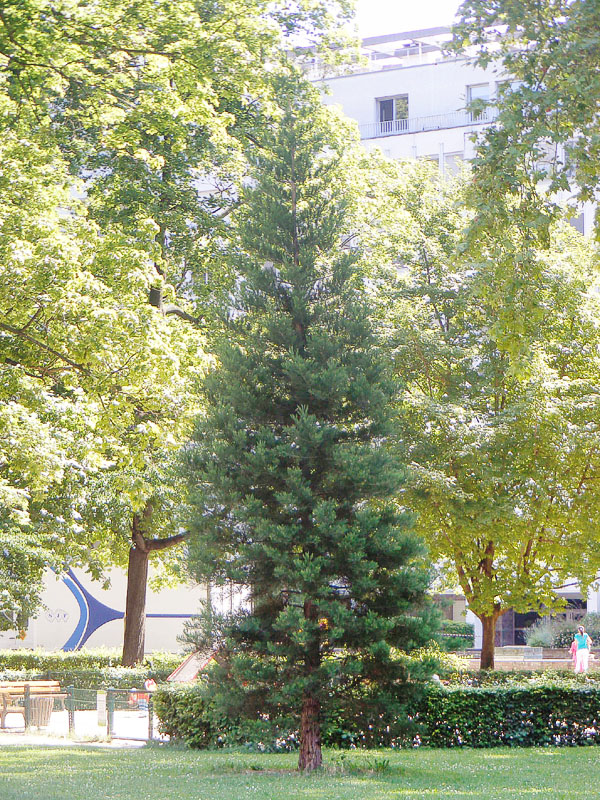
{"points": [[169, 773]]}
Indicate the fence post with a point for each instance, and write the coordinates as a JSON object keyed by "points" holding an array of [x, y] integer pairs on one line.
{"points": [[150, 718], [27, 706], [101, 707], [110, 710], [71, 708]]}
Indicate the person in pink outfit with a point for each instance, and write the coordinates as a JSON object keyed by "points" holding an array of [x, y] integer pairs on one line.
{"points": [[573, 651], [582, 642]]}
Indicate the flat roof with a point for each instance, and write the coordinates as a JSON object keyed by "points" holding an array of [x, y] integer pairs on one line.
{"points": [[423, 33]]}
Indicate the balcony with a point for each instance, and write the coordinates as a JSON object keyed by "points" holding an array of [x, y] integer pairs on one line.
{"points": [[455, 119]]}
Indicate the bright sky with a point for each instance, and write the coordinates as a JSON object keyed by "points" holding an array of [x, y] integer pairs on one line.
{"points": [[378, 17]]}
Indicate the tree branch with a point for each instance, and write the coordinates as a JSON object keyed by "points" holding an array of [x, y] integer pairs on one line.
{"points": [[179, 312], [21, 334], [162, 544]]}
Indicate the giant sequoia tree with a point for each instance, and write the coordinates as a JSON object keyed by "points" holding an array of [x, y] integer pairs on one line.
{"points": [[289, 470]]}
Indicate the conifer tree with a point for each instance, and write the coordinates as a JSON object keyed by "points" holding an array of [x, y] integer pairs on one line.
{"points": [[291, 479]]}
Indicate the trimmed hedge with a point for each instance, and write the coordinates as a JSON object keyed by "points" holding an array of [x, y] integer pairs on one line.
{"points": [[85, 669], [523, 716], [458, 716], [107, 678], [80, 659], [521, 677], [184, 715]]}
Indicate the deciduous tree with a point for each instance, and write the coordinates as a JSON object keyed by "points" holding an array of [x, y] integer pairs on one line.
{"points": [[543, 149], [505, 458], [140, 101]]}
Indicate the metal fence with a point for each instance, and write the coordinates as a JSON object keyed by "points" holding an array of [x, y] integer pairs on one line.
{"points": [[91, 714]]}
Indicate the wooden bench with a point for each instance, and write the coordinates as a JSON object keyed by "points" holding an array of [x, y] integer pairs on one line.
{"points": [[33, 699]]}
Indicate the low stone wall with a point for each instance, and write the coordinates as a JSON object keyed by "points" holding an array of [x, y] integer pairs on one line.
{"points": [[507, 659]]}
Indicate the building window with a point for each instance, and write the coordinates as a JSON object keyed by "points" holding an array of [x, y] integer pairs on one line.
{"points": [[478, 94], [392, 113]]}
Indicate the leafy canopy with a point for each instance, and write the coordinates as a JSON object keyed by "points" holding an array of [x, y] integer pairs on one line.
{"points": [[504, 460]]}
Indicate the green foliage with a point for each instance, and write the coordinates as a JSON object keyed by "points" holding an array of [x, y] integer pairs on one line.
{"points": [[549, 631], [190, 715], [91, 678], [85, 669], [367, 714], [539, 161], [523, 678], [110, 114], [501, 448], [184, 716], [558, 632], [503, 710], [44, 660], [513, 716], [457, 635], [289, 470], [94, 382], [546, 129], [545, 630], [432, 660]]}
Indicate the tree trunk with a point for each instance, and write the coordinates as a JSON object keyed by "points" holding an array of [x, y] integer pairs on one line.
{"points": [[135, 605], [310, 735], [134, 635], [489, 641]]}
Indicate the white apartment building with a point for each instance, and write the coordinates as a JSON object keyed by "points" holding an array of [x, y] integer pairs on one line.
{"points": [[411, 100]]}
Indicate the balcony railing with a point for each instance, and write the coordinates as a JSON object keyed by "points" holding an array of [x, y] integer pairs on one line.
{"points": [[455, 119]]}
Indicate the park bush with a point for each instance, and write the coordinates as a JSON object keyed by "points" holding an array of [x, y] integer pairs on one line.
{"points": [[524, 716], [184, 715], [549, 631], [85, 669], [457, 635], [557, 632], [591, 622], [540, 714], [489, 678], [188, 714]]}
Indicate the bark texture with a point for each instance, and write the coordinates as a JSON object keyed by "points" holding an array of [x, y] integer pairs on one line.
{"points": [[135, 605], [137, 580], [489, 641], [310, 735]]}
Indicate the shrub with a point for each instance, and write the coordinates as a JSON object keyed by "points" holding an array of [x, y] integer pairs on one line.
{"points": [[525, 716], [489, 678], [558, 632], [85, 669], [435, 660], [81, 659], [189, 714], [184, 715], [457, 635], [543, 632], [591, 622], [73, 659]]}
